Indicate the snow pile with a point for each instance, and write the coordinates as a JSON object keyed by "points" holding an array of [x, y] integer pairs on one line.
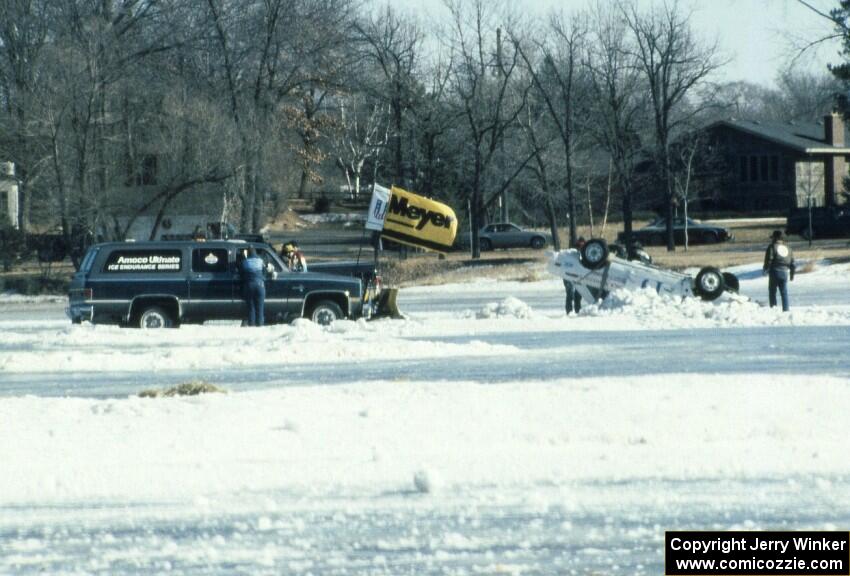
{"points": [[510, 307], [333, 218], [15, 298], [666, 311], [427, 481]]}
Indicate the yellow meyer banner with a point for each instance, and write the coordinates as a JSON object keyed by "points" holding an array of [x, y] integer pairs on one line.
{"points": [[415, 220]]}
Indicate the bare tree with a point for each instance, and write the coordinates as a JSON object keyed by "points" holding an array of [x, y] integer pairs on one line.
{"points": [[434, 119], [24, 27], [491, 95], [617, 103], [556, 78], [673, 62], [682, 178], [363, 130], [392, 42], [271, 51], [539, 141]]}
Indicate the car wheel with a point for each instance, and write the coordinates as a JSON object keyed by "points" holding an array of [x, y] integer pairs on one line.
{"points": [[485, 245], [155, 317], [537, 242], [710, 238], [326, 312], [594, 254], [731, 282], [709, 283]]}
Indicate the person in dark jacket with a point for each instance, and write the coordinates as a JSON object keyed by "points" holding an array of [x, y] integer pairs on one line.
{"points": [[573, 301], [780, 266], [254, 288]]}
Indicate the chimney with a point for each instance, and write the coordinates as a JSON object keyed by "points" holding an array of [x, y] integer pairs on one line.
{"points": [[833, 128], [836, 165]]}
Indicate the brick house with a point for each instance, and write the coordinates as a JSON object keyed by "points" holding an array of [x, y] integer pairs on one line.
{"points": [[778, 166]]}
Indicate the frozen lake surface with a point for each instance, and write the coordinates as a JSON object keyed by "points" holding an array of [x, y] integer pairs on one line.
{"points": [[486, 434]]}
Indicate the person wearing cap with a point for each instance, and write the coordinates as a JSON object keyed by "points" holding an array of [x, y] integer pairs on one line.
{"points": [[573, 301], [293, 257], [253, 288], [779, 265]]}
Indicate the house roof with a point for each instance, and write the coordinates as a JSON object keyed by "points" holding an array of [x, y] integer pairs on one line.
{"points": [[806, 137]]}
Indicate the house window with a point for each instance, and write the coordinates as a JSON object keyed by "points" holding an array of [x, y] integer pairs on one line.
{"points": [[142, 173], [765, 171], [774, 168], [743, 169], [148, 170], [754, 169]]}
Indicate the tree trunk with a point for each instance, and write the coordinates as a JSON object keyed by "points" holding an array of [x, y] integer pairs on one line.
{"points": [[571, 199], [553, 223], [477, 208], [302, 185]]}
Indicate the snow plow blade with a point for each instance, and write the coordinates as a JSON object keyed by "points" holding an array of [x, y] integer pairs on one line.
{"points": [[387, 305]]}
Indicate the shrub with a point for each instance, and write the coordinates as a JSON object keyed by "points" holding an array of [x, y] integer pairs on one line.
{"points": [[322, 205], [193, 388], [34, 285]]}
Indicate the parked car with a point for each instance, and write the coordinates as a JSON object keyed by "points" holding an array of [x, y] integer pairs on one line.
{"points": [[827, 222], [507, 235], [595, 271], [164, 284], [655, 234]]}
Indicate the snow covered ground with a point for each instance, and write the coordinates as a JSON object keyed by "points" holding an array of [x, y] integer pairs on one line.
{"points": [[486, 434]]}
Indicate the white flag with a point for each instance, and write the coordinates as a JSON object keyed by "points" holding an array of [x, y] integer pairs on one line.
{"points": [[378, 208]]}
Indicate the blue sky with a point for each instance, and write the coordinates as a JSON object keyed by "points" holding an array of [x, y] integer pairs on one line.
{"points": [[757, 36]]}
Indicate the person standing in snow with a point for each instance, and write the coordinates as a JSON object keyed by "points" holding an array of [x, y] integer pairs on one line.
{"points": [[573, 301], [780, 266], [254, 288]]}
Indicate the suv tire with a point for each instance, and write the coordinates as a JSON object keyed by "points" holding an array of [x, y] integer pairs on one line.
{"points": [[155, 317], [538, 242], [594, 254], [485, 245], [709, 283], [325, 312]]}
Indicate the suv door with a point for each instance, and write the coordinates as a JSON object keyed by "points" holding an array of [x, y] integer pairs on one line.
{"points": [[212, 285], [277, 307]]}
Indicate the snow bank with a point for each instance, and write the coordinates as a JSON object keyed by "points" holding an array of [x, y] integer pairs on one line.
{"points": [[665, 311], [91, 348]]}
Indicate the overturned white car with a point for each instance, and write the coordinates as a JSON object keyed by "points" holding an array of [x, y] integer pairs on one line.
{"points": [[595, 272]]}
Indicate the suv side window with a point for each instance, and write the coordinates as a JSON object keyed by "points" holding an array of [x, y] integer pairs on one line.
{"points": [[269, 259], [210, 260], [87, 262]]}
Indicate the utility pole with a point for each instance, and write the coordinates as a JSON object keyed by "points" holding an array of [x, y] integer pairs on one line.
{"points": [[503, 199]]}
